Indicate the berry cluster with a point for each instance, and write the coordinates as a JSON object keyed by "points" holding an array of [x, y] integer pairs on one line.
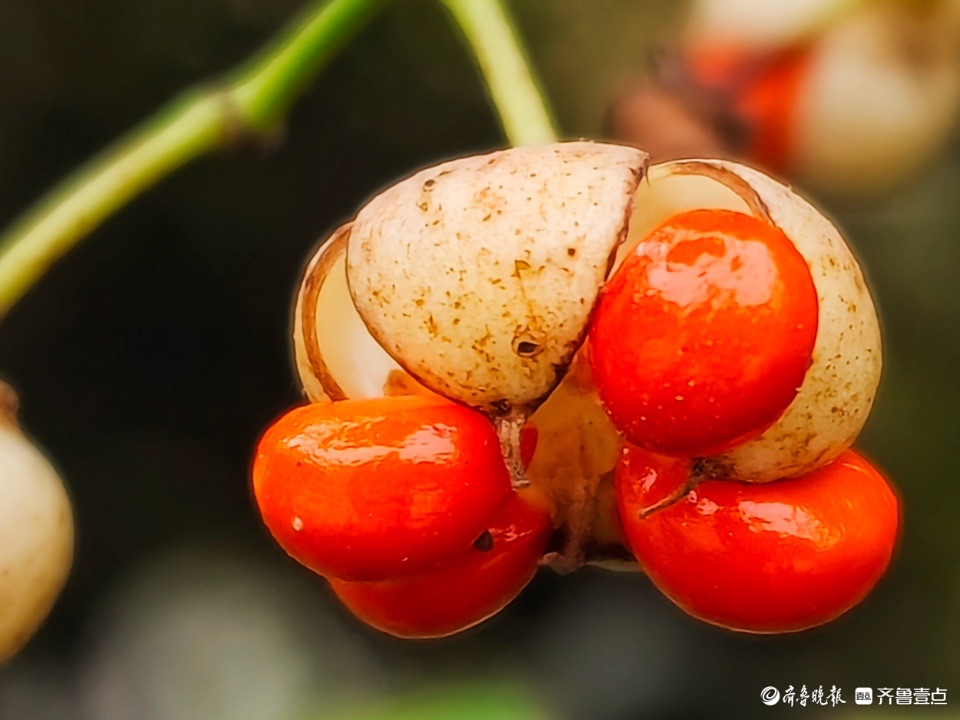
{"points": [[690, 398], [701, 342]]}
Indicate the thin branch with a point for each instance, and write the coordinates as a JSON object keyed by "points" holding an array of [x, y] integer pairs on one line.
{"points": [[514, 89], [251, 102]]}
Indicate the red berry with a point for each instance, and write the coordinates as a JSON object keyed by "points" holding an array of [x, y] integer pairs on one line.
{"points": [[769, 106], [762, 93], [704, 333], [775, 557], [375, 489], [461, 592]]}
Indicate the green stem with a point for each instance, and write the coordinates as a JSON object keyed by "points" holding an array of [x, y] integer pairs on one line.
{"points": [[514, 90], [252, 101], [268, 85]]}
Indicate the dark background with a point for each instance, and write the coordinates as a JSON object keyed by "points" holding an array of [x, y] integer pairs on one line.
{"points": [[150, 359]]}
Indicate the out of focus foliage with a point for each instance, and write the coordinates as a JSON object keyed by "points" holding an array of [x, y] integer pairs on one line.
{"points": [[480, 701]]}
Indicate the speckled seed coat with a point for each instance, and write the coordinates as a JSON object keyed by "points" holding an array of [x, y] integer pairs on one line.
{"points": [[480, 275]]}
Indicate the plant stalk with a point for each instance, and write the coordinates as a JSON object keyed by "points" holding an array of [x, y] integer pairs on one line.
{"points": [[249, 103], [514, 89]]}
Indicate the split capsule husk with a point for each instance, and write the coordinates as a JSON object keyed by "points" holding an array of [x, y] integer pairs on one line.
{"points": [[476, 279]]}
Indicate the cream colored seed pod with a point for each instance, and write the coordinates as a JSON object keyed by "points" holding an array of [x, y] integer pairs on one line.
{"points": [[839, 388], [880, 91], [479, 275], [483, 292], [36, 533], [881, 98]]}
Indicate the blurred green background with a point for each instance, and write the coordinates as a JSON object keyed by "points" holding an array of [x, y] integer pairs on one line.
{"points": [[150, 359]]}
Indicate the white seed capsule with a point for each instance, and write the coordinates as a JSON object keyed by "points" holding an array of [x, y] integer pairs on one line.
{"points": [[880, 100], [879, 92], [479, 275], [838, 390], [36, 534]]}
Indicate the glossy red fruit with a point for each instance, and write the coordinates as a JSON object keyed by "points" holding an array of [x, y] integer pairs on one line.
{"points": [[380, 488], [704, 334], [461, 592], [765, 558]]}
